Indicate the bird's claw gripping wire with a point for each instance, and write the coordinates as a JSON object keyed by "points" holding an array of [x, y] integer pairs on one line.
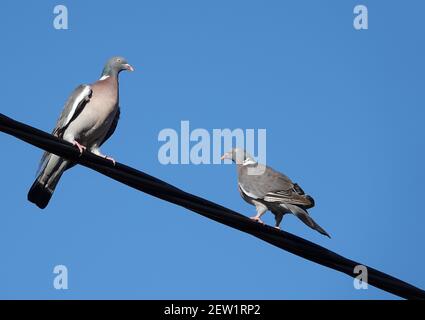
{"points": [[111, 159], [80, 147]]}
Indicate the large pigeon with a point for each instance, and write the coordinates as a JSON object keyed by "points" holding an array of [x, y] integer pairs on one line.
{"points": [[89, 118], [268, 189]]}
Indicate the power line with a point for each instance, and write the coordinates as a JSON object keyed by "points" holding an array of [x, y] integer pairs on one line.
{"points": [[160, 189]]}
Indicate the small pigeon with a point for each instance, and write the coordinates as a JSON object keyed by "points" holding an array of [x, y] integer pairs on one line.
{"points": [[89, 118], [268, 189]]}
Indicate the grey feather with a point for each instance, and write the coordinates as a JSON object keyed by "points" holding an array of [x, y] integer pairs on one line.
{"points": [[272, 186], [305, 217], [73, 107], [113, 126]]}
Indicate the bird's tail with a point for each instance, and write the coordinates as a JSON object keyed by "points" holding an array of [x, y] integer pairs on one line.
{"points": [[305, 217], [39, 194], [43, 187]]}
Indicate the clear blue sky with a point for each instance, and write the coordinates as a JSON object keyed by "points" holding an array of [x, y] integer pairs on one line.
{"points": [[344, 113]]}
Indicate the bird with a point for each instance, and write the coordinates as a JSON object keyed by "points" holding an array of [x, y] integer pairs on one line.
{"points": [[89, 118], [268, 189]]}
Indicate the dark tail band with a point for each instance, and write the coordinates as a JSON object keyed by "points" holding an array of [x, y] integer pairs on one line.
{"points": [[39, 195]]}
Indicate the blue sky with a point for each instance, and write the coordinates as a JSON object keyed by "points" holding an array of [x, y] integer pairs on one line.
{"points": [[344, 114]]}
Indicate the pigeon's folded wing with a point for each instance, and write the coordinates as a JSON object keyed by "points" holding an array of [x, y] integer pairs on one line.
{"points": [[273, 186], [289, 196], [262, 184], [73, 107]]}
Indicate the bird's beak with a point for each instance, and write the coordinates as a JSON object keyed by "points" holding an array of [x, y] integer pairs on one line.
{"points": [[223, 157], [128, 67]]}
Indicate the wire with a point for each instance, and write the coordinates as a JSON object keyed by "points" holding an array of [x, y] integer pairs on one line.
{"points": [[160, 189]]}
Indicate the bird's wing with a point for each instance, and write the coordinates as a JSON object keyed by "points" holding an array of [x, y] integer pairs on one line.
{"points": [[113, 126], [289, 196], [73, 107], [272, 186], [261, 184], [284, 190]]}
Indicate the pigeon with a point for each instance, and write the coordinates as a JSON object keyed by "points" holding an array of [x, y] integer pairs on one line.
{"points": [[268, 189], [89, 118]]}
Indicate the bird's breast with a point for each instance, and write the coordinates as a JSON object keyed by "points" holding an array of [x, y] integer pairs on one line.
{"points": [[96, 118]]}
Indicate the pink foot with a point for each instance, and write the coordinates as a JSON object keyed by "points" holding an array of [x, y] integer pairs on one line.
{"points": [[257, 219], [80, 147], [111, 159]]}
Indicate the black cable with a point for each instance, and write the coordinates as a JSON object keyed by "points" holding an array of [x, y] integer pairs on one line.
{"points": [[160, 189]]}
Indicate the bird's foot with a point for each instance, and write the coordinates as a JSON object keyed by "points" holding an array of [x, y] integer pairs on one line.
{"points": [[111, 159], [80, 147], [277, 227], [257, 219]]}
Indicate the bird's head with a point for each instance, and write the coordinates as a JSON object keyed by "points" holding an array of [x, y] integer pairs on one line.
{"points": [[238, 156], [115, 65]]}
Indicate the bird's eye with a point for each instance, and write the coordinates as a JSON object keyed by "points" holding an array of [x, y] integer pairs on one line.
{"points": [[119, 60]]}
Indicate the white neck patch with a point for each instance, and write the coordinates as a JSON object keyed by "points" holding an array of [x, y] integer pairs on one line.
{"points": [[248, 162], [104, 77]]}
